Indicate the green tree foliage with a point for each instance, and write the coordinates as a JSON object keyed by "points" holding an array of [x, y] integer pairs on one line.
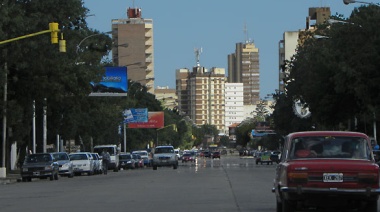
{"points": [[337, 76]]}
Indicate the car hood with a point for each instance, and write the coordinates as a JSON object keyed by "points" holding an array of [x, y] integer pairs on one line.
{"points": [[36, 164], [61, 162]]}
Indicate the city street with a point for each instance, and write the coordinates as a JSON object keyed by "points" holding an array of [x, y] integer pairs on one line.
{"points": [[229, 184]]}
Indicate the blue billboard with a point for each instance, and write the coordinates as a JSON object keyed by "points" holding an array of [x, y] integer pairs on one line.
{"points": [[113, 83], [134, 115]]}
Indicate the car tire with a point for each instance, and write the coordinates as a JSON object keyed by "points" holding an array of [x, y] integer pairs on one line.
{"points": [[71, 175], [371, 206], [24, 179], [154, 167], [287, 206]]}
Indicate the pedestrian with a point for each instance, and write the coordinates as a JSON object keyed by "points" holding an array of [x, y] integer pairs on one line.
{"points": [[105, 160]]}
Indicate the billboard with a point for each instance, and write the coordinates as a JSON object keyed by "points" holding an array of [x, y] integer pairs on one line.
{"points": [[134, 115], [155, 120], [113, 83]]}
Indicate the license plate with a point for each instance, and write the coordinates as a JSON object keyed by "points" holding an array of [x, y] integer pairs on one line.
{"points": [[36, 173], [164, 161], [332, 177]]}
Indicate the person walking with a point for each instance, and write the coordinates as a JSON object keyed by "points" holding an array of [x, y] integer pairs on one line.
{"points": [[105, 160]]}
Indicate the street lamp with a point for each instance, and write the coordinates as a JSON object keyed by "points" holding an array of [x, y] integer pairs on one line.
{"points": [[78, 46]]}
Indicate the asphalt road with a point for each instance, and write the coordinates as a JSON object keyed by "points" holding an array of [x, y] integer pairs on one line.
{"points": [[229, 184]]}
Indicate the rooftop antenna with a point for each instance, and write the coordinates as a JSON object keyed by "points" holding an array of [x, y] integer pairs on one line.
{"points": [[245, 30], [197, 52], [133, 3]]}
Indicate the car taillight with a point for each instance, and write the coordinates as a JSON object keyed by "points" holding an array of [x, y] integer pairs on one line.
{"points": [[297, 177], [368, 177]]}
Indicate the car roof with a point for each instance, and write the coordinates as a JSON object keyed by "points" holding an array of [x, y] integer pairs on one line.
{"points": [[164, 147], [327, 133]]}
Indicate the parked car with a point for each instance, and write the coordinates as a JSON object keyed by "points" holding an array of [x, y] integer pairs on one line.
{"points": [[39, 165], [215, 154], [144, 155], [257, 157], [126, 161], [187, 157], [65, 164], [82, 162], [98, 166], [327, 169]]}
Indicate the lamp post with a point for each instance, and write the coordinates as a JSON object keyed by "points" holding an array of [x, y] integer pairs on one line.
{"points": [[78, 46]]}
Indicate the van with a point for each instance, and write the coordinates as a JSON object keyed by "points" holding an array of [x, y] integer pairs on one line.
{"points": [[114, 152]]}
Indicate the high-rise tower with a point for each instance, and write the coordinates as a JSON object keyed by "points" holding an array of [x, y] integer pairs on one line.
{"points": [[137, 33], [243, 67]]}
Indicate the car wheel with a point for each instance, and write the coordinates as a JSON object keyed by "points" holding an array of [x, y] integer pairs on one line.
{"points": [[71, 175], [287, 206], [29, 179], [371, 206], [154, 167]]}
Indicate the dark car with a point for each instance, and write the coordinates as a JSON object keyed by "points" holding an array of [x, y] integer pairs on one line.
{"points": [[215, 154], [207, 154], [275, 156], [327, 170], [39, 165], [126, 161], [188, 157]]}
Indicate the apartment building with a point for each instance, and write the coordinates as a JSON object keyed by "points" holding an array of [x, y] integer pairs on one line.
{"points": [[243, 67], [136, 33], [234, 109]]}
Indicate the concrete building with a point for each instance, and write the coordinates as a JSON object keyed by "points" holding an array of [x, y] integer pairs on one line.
{"points": [[201, 95], [167, 96], [243, 67], [234, 110], [137, 33], [292, 39]]}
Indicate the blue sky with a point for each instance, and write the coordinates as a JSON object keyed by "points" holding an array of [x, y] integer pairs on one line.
{"points": [[215, 26]]}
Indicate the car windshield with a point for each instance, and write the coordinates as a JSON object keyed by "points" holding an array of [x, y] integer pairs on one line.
{"points": [[78, 157], [125, 156], [38, 158], [141, 153], [61, 156], [164, 150], [329, 147]]}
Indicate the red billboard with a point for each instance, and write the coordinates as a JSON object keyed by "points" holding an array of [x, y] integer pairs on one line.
{"points": [[155, 120]]}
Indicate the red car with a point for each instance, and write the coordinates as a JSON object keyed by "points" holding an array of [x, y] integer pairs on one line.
{"points": [[187, 157], [215, 154], [327, 170]]}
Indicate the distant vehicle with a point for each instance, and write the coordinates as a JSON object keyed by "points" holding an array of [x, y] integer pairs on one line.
{"points": [[82, 162], [187, 157], [275, 156], [327, 170], [215, 154], [144, 155], [114, 153], [98, 167], [207, 154], [164, 156], [65, 164], [264, 158], [126, 161], [39, 165]]}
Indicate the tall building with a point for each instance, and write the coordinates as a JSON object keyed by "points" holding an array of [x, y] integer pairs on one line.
{"points": [[201, 95], [234, 109], [292, 39], [138, 56], [243, 67], [167, 96]]}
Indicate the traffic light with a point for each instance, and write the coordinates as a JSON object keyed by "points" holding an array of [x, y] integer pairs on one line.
{"points": [[62, 44], [53, 27]]}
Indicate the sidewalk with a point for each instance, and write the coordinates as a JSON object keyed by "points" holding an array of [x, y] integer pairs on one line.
{"points": [[13, 176]]}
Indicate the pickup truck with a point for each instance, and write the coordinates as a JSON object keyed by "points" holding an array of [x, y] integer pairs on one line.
{"points": [[164, 156], [327, 170]]}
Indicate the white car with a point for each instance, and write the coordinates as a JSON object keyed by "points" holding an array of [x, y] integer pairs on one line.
{"points": [[144, 155], [98, 168], [65, 165], [164, 156], [82, 163]]}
